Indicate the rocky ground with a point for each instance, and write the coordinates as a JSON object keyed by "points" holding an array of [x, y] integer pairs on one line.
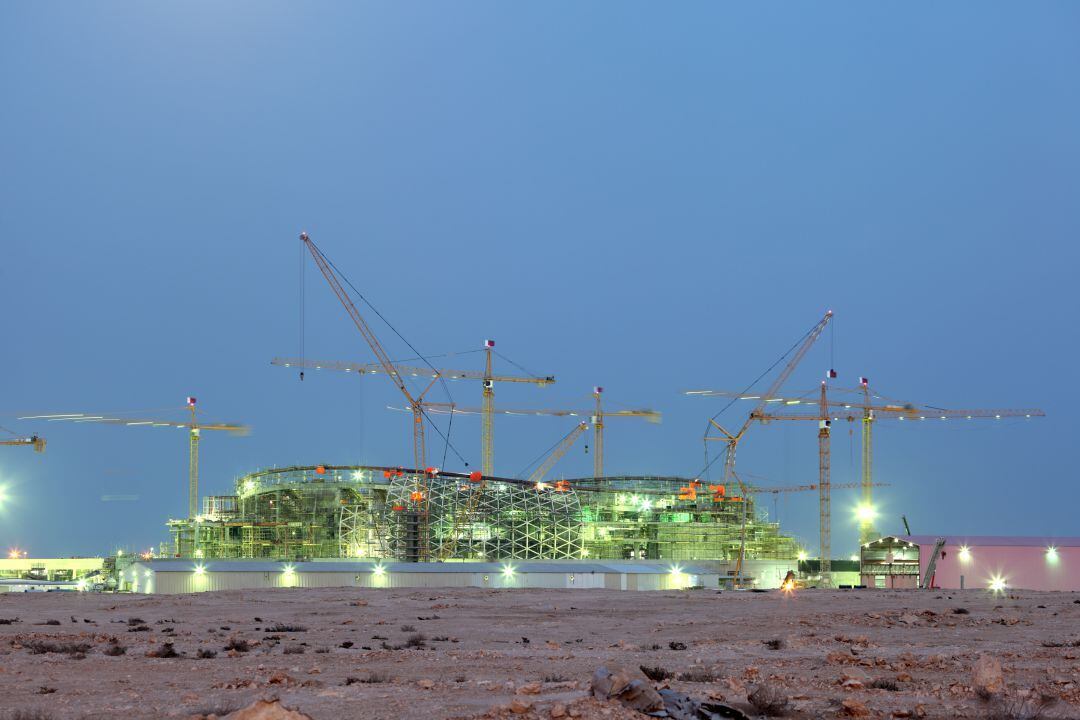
{"points": [[462, 653]]}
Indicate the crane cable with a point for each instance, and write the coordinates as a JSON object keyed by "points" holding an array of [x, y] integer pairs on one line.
{"points": [[442, 381], [710, 463]]}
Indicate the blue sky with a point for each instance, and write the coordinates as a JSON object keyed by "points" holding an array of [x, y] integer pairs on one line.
{"points": [[651, 198]]}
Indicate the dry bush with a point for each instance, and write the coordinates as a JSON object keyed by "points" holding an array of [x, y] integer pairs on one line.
{"points": [[774, 644], [373, 677], [415, 641], [238, 644], [884, 684], [293, 650], [281, 627], [26, 715], [657, 673], [165, 651], [768, 700], [114, 650], [699, 675], [8, 621], [408, 628], [40, 647], [206, 654]]}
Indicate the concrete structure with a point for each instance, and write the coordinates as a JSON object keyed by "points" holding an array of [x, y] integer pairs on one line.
{"points": [[1002, 562], [188, 576]]}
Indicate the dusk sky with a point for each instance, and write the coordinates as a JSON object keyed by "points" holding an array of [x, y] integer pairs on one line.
{"points": [[649, 197]]}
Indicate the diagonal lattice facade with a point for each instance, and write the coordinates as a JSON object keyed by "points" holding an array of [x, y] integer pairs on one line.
{"points": [[465, 522]]}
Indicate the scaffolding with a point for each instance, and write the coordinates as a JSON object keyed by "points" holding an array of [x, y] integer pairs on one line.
{"points": [[361, 512]]}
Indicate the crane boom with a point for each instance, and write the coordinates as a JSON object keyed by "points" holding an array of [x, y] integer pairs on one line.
{"points": [[556, 454], [37, 442], [194, 428], [407, 370], [415, 402]]}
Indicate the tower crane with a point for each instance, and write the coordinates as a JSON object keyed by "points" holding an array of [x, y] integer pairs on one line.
{"points": [[487, 377], [732, 438], [415, 401], [597, 415], [867, 413], [194, 428]]}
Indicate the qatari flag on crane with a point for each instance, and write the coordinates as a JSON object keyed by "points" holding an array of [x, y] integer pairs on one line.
{"points": [[191, 402]]}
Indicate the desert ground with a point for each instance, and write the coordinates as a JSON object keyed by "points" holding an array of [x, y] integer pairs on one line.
{"points": [[464, 653]]}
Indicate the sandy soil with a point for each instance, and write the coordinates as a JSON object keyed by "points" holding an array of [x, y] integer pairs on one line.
{"points": [[483, 649]]}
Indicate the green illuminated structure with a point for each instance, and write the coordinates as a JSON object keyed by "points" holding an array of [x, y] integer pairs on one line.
{"points": [[362, 512]]}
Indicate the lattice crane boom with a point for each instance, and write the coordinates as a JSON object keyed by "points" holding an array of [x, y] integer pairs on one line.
{"points": [[194, 428], [38, 443]]}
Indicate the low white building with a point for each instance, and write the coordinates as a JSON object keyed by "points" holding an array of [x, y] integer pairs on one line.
{"points": [[190, 576]]}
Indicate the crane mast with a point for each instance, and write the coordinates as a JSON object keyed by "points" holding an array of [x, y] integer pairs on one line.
{"points": [[732, 439], [487, 433], [824, 489]]}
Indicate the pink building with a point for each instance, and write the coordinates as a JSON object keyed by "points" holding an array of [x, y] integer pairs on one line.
{"points": [[1001, 562]]}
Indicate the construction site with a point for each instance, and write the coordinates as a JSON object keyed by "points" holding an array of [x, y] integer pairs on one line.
{"points": [[426, 514]]}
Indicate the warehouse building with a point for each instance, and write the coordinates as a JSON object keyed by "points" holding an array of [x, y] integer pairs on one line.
{"points": [[991, 562], [190, 576]]}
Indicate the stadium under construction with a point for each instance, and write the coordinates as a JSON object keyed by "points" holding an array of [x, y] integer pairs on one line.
{"points": [[358, 512]]}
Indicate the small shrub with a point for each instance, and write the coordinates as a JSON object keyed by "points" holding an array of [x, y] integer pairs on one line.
{"points": [[408, 628], [135, 621], [373, 677], [45, 690], [293, 650], [416, 641], [555, 678], [238, 644], [961, 611], [165, 651], [768, 700], [322, 650], [282, 628], [676, 645], [206, 654], [346, 645], [49, 622], [40, 647], [221, 710], [700, 675], [460, 679], [440, 638], [114, 650], [656, 674], [884, 684], [27, 715], [1018, 709], [8, 621], [139, 628], [774, 644]]}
